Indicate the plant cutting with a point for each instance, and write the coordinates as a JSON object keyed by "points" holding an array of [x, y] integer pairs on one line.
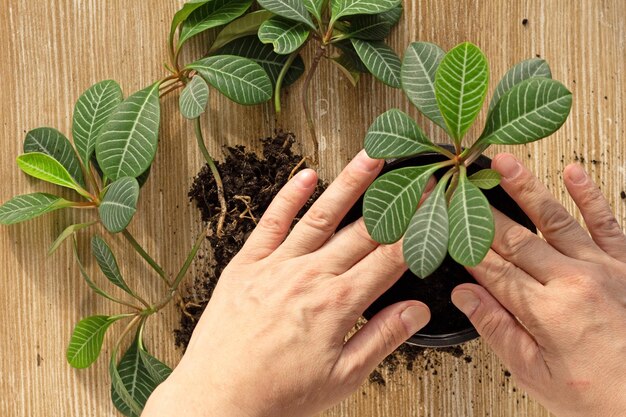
{"points": [[349, 34], [114, 145], [449, 89]]}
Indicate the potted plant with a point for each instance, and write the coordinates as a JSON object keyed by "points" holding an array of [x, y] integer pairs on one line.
{"points": [[453, 227]]}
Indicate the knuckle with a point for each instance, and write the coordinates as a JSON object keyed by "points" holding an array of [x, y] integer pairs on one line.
{"points": [[339, 296], [498, 269], [514, 241], [490, 325], [320, 219], [273, 224], [555, 219], [607, 224], [527, 185], [390, 334]]}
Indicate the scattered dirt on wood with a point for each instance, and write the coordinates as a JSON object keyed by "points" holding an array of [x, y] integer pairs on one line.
{"points": [[623, 195], [416, 358], [250, 184]]}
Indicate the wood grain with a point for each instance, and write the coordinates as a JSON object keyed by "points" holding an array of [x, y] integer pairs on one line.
{"points": [[52, 50]]}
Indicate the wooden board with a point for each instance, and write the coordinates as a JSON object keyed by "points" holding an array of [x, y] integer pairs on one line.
{"points": [[52, 50]]}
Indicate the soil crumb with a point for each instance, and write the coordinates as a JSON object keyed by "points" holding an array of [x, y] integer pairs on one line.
{"points": [[416, 358], [250, 184]]}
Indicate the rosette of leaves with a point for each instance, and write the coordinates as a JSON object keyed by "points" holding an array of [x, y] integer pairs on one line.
{"points": [[350, 34], [449, 89]]}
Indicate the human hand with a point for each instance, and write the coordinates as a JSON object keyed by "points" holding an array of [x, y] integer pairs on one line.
{"points": [[554, 309], [271, 340]]}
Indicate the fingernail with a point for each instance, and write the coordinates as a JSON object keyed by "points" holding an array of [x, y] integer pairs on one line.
{"points": [[367, 163], [306, 178], [466, 301], [414, 318], [577, 175], [508, 166]]}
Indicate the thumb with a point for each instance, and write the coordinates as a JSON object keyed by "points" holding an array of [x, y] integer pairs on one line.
{"points": [[379, 337], [501, 331]]}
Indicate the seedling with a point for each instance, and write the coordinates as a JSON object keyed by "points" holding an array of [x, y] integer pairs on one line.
{"points": [[449, 89], [348, 33]]}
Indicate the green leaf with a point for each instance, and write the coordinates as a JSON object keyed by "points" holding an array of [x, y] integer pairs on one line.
{"points": [[425, 243], [87, 338], [485, 179], [123, 400], [367, 27], [393, 135], [210, 15], [290, 9], [246, 25], [157, 370], [524, 70], [419, 68], [108, 264], [46, 168], [28, 206], [53, 143], [88, 279], [285, 35], [391, 201], [69, 231], [347, 67], [340, 8], [393, 15], [314, 7], [264, 55], [471, 224], [91, 111], [137, 379], [128, 140], [531, 110], [380, 60], [194, 98], [460, 87], [119, 204], [183, 14], [348, 50], [240, 79]]}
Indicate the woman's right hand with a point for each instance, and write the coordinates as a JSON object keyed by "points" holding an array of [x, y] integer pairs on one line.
{"points": [[554, 308]]}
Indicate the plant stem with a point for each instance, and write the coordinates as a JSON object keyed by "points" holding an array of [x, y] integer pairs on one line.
{"points": [[84, 205], [470, 155], [445, 152], [171, 88], [216, 175], [145, 256], [305, 101], [281, 77], [181, 274]]}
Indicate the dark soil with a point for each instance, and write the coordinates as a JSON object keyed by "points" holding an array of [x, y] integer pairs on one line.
{"points": [[250, 184]]}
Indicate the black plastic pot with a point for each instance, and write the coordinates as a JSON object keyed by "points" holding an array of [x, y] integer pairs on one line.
{"points": [[448, 326]]}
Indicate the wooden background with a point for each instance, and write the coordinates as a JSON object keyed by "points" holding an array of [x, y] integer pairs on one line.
{"points": [[50, 51]]}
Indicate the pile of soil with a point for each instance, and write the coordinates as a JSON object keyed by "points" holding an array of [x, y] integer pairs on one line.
{"points": [[250, 184]]}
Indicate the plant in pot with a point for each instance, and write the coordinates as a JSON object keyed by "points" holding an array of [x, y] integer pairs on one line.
{"points": [[453, 227]]}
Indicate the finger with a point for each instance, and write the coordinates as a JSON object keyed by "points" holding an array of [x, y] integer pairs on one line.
{"points": [[513, 287], [275, 223], [347, 247], [502, 332], [600, 220], [374, 275], [321, 221], [352, 243], [379, 337], [557, 226], [526, 250]]}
